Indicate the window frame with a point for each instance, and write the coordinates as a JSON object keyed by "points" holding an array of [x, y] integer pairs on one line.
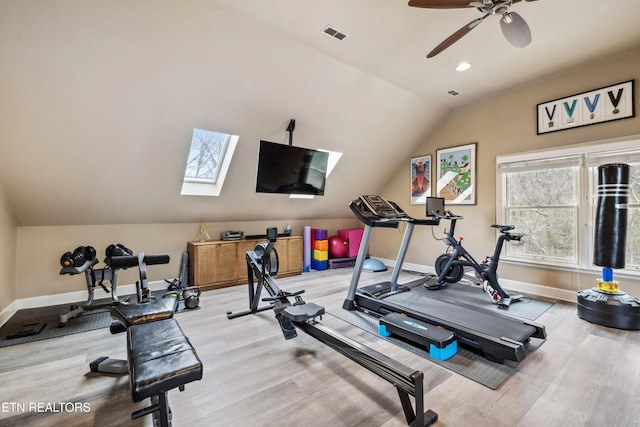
{"points": [[591, 155], [192, 186]]}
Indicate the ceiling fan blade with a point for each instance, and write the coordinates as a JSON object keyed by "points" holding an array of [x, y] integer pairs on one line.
{"points": [[440, 4], [456, 36], [515, 29]]}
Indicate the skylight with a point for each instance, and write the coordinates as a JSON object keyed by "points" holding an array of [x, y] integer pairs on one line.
{"points": [[208, 162]]}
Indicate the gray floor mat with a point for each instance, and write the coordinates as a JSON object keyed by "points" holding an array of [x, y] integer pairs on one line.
{"points": [[464, 362]]}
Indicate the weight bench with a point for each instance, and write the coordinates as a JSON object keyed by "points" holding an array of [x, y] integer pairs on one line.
{"points": [[160, 356]]}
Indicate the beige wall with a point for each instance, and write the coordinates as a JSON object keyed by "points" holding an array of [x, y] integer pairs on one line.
{"points": [[7, 253], [29, 257], [504, 124], [39, 249]]}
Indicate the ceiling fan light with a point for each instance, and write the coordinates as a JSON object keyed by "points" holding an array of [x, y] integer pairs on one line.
{"points": [[516, 31], [463, 66]]}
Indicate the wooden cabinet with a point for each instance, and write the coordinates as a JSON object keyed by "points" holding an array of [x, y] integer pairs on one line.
{"points": [[289, 256], [217, 264]]}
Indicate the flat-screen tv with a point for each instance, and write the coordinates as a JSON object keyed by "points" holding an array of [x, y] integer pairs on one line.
{"points": [[287, 169]]}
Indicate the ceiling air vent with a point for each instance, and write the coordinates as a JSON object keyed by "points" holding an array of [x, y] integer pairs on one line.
{"points": [[332, 32], [453, 92]]}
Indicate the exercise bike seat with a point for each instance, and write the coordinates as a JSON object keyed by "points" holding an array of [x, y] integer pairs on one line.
{"points": [[503, 228]]}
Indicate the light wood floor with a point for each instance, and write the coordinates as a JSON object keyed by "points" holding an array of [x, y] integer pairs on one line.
{"points": [[583, 375]]}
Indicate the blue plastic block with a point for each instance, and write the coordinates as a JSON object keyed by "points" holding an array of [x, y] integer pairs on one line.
{"points": [[445, 352], [382, 330], [319, 265]]}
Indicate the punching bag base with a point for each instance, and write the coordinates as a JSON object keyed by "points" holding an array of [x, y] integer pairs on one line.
{"points": [[612, 309]]}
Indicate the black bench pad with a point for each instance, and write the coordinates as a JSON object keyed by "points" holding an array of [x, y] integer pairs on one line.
{"points": [[161, 358], [134, 314]]}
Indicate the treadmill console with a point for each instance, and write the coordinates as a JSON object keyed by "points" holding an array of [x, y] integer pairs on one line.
{"points": [[381, 207], [375, 211]]}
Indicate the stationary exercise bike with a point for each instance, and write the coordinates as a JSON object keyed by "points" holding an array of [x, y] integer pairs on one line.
{"points": [[450, 265]]}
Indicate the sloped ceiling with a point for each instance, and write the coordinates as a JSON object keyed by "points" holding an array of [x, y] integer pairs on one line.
{"points": [[98, 100]]}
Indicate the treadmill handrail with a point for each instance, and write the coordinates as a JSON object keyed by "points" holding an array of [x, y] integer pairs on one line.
{"points": [[364, 215], [448, 215]]}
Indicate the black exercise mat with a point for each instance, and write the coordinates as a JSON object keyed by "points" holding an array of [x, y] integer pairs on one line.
{"points": [[464, 362], [86, 321]]}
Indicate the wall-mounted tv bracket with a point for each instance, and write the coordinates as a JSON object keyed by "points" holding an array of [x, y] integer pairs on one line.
{"points": [[290, 129]]}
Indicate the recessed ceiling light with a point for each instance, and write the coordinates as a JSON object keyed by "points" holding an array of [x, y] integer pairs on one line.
{"points": [[462, 66]]}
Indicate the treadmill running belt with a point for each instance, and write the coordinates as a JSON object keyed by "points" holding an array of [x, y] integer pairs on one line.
{"points": [[469, 319]]}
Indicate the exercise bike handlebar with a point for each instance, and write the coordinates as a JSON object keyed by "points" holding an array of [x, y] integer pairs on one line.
{"points": [[504, 229], [447, 215]]}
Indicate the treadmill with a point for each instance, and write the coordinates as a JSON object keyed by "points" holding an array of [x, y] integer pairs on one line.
{"points": [[499, 337]]}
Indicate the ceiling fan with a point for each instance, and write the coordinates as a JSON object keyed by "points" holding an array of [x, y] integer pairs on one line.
{"points": [[514, 28]]}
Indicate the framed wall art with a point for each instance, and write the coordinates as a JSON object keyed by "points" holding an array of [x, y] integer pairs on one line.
{"points": [[597, 106], [420, 179], [456, 174]]}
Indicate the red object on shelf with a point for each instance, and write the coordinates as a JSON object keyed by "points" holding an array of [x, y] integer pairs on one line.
{"points": [[338, 247]]}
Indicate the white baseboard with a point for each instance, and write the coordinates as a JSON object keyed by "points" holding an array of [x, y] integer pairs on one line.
{"points": [[73, 297], [70, 298], [530, 289], [6, 314]]}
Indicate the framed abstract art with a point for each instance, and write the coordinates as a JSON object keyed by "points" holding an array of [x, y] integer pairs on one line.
{"points": [[456, 174], [420, 179]]}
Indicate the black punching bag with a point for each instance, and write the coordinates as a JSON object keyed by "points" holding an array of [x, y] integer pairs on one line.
{"points": [[606, 304], [611, 215]]}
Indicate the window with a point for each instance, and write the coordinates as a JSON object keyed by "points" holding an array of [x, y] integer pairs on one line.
{"points": [[542, 199], [209, 159], [551, 197]]}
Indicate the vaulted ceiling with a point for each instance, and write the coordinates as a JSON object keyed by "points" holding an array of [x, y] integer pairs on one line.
{"points": [[98, 100]]}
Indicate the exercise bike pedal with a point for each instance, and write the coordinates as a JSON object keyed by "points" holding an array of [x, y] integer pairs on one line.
{"points": [[506, 302], [434, 286]]}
